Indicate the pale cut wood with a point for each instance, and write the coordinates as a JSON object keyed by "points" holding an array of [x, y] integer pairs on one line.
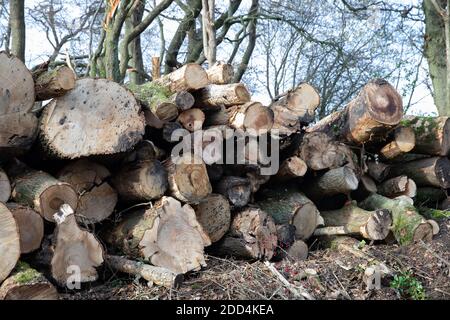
{"points": [[190, 77], [192, 119], [236, 189], [216, 96], [336, 181], [73, 126], [404, 141], [398, 186], [54, 83], [220, 73], [5, 187], [30, 225], [9, 242], [291, 168], [183, 100]]}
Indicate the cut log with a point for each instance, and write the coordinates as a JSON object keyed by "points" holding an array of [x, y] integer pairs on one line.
{"points": [[54, 83], [377, 108], [288, 206], [76, 252], [190, 77], [429, 172], [352, 220], [378, 171], [295, 108], [18, 126], [141, 181], [73, 126], [236, 189], [408, 225], [192, 119], [291, 168], [9, 242], [30, 225], [298, 251], [167, 235], [398, 186], [252, 236], [154, 275], [96, 198], [144, 151], [285, 239], [5, 187], [403, 142], [188, 178], [26, 283], [214, 215], [168, 131], [217, 96], [183, 100], [220, 73], [430, 197]]}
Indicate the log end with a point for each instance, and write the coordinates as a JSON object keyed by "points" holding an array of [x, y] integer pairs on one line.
{"points": [[385, 104]]}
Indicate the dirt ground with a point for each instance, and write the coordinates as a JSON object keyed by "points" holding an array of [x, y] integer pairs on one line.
{"points": [[419, 271]]}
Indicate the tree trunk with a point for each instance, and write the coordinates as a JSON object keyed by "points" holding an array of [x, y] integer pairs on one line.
{"points": [[5, 187], [404, 141], [71, 125], [183, 100], [134, 48], [17, 25], [220, 73], [30, 225], [167, 235], [237, 190], [227, 95], [190, 77], [209, 31], [398, 186], [9, 242], [192, 119], [54, 83], [377, 108]]}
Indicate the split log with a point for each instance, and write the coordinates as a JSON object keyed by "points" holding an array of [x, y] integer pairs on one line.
{"points": [[54, 83], [167, 235], [26, 283], [76, 251], [183, 100], [214, 215], [291, 168], [408, 225], [288, 206], [430, 197], [295, 108], [30, 225], [192, 119], [154, 275], [236, 189], [217, 96], [190, 77], [73, 126], [252, 236], [403, 142], [9, 242], [429, 172], [220, 73], [5, 187], [18, 125], [398, 186], [377, 170], [141, 181], [377, 108], [352, 220]]}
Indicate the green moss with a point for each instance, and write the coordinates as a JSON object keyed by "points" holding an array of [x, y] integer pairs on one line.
{"points": [[24, 273], [434, 213], [150, 93], [424, 127]]}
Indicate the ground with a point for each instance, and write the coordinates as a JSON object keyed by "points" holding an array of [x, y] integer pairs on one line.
{"points": [[419, 271]]}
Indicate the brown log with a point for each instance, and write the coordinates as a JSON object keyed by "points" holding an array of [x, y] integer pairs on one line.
{"points": [[291, 168], [144, 151], [398, 186], [220, 73], [5, 187], [298, 251], [9, 242], [192, 119], [403, 142], [167, 235], [96, 198], [54, 83], [30, 225], [252, 236], [217, 96], [190, 77], [183, 100], [74, 125], [141, 181], [377, 108], [378, 171], [236, 189]]}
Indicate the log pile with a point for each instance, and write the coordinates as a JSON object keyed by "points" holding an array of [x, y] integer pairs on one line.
{"points": [[97, 177]]}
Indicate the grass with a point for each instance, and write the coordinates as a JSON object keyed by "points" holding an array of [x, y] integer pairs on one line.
{"points": [[408, 286]]}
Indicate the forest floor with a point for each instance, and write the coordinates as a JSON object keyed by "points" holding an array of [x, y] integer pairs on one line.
{"points": [[419, 271]]}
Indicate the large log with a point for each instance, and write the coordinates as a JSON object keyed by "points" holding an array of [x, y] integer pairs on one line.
{"points": [[26, 283], [5, 187], [214, 215], [190, 77], [18, 125], [53, 83], [9, 242], [217, 96], [167, 235], [377, 108], [236, 189], [97, 117], [429, 172], [252, 236], [404, 141], [408, 225], [30, 225], [220, 73], [398, 186]]}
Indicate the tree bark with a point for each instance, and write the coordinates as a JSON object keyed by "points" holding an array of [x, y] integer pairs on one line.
{"points": [[54, 83], [30, 225], [220, 73], [398, 186], [190, 77], [216, 96], [183, 100], [9, 242], [403, 142], [209, 31], [237, 190], [5, 187], [17, 25], [378, 170], [291, 168]]}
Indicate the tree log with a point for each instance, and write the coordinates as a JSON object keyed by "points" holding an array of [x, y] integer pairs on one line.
{"points": [[377, 170], [398, 186], [54, 83], [192, 119], [73, 126], [408, 225], [167, 235], [183, 100], [291, 168], [403, 142], [217, 96], [30, 225], [5, 187], [9, 242], [377, 108], [236, 189], [220, 73], [298, 251], [190, 77], [144, 151]]}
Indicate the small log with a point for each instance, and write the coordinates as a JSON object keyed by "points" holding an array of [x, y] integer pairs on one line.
{"points": [[168, 131], [30, 225], [144, 151], [167, 235], [430, 197], [398, 186], [72, 126], [288, 206], [298, 251], [252, 236], [408, 225], [141, 181], [217, 96], [192, 119], [9, 242], [429, 172], [336, 181], [220, 73], [5, 187], [26, 283], [403, 142], [190, 77], [236, 189], [378, 171], [76, 251], [352, 220], [291, 168], [54, 83], [214, 215], [183, 100], [154, 275], [377, 108]]}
